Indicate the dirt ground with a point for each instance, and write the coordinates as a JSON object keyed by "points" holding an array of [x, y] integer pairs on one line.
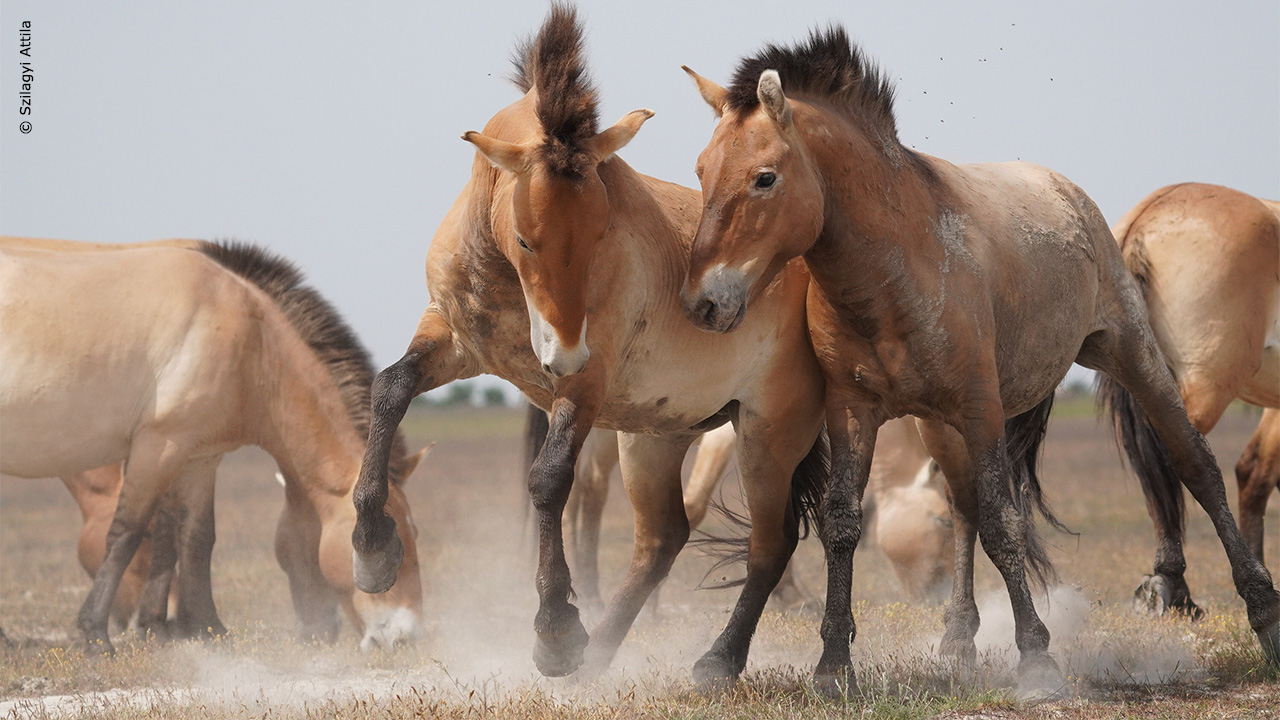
{"points": [[468, 502]]}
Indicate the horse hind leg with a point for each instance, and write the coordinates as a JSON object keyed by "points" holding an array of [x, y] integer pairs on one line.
{"points": [[1257, 476], [651, 474], [1130, 356]]}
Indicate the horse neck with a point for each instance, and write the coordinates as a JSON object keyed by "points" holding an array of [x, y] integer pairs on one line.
{"points": [[881, 209], [302, 420], [649, 242]]}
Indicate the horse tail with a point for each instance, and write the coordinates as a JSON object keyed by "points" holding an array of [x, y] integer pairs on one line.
{"points": [[1147, 453], [808, 485], [1023, 437], [1136, 437]]}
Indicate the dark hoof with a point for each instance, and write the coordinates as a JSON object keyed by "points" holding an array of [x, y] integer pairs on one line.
{"points": [[713, 672], [1269, 639], [962, 649], [559, 653], [376, 572], [157, 631], [204, 630], [835, 683], [99, 647], [1039, 678], [1158, 595]]}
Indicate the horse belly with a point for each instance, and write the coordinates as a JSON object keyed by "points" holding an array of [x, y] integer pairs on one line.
{"points": [[1264, 388], [58, 423]]}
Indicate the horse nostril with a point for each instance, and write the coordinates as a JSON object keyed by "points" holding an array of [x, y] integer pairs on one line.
{"points": [[706, 309]]}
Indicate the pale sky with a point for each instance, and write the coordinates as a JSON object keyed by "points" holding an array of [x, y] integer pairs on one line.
{"points": [[330, 131]]}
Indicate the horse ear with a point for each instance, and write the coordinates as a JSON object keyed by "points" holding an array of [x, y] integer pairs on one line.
{"points": [[607, 142], [771, 98], [500, 153], [717, 97], [416, 458]]}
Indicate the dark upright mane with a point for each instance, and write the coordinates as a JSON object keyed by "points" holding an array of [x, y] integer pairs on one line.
{"points": [[552, 62], [320, 326], [828, 65]]}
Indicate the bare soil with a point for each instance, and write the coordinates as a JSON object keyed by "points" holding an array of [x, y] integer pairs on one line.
{"points": [[469, 504]]}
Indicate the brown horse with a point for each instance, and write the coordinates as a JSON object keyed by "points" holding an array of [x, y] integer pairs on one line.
{"points": [[911, 524], [187, 352], [1207, 259], [558, 268], [959, 294]]}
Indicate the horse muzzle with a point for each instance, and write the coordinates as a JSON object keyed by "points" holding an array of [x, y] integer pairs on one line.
{"points": [[719, 303]]}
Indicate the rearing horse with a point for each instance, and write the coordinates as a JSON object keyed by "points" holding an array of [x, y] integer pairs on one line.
{"points": [[959, 294], [558, 268]]}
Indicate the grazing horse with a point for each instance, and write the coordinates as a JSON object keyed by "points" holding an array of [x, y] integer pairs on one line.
{"points": [[558, 268], [1207, 259], [187, 351], [959, 294], [911, 525]]}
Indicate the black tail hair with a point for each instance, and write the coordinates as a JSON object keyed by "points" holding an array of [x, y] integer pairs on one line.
{"points": [[808, 484], [1147, 453], [1023, 436]]}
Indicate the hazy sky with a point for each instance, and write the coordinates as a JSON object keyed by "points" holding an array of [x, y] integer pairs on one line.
{"points": [[330, 131]]}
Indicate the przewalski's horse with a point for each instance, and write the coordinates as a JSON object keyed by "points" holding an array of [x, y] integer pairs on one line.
{"points": [[184, 353], [554, 239], [911, 524], [959, 294], [1207, 259]]}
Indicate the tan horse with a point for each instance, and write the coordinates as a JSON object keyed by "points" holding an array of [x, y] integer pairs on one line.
{"points": [[558, 269], [959, 294], [1207, 259], [185, 353], [911, 524]]}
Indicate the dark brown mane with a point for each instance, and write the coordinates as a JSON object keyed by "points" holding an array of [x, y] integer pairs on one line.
{"points": [[320, 326], [552, 63], [828, 65]]}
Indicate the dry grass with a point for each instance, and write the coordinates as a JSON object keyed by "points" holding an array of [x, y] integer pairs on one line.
{"points": [[474, 662]]}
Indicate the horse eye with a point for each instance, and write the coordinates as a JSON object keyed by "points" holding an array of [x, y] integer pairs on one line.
{"points": [[765, 180], [523, 244]]}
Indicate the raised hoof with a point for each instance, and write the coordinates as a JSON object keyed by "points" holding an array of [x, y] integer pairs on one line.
{"points": [[1157, 595], [376, 572], [835, 683], [1039, 678], [713, 672], [1269, 639], [559, 653]]}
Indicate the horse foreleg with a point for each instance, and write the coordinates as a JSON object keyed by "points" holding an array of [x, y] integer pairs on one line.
{"points": [[431, 360], [651, 474], [961, 618], [153, 601], [1257, 476], [561, 635], [197, 615], [853, 439], [776, 479], [297, 547], [153, 461], [585, 510]]}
